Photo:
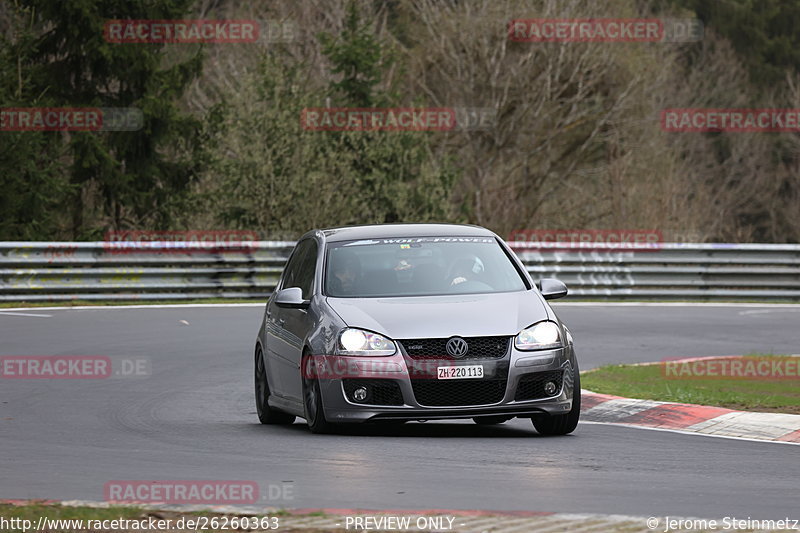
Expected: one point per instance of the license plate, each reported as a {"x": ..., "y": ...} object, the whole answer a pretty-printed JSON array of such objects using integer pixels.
[{"x": 460, "y": 372}]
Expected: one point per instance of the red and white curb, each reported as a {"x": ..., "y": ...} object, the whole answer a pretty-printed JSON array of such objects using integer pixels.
[
  {"x": 716, "y": 421},
  {"x": 689, "y": 418}
]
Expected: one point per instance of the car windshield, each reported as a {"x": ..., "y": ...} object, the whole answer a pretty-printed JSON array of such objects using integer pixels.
[{"x": 419, "y": 266}]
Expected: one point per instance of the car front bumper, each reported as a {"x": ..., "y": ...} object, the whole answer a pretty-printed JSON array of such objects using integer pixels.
[{"x": 421, "y": 400}]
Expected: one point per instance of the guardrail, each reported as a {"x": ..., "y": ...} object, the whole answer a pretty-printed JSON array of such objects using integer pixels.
[
  {"x": 674, "y": 271},
  {"x": 58, "y": 271}
]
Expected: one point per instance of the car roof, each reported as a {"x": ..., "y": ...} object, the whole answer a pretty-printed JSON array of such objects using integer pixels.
[{"x": 390, "y": 231}]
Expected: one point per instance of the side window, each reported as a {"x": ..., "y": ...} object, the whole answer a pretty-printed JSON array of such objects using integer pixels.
[
  {"x": 291, "y": 268},
  {"x": 306, "y": 268},
  {"x": 301, "y": 266}
]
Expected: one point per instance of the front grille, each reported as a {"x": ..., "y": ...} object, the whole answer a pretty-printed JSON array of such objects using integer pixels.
[
  {"x": 379, "y": 391},
  {"x": 531, "y": 386},
  {"x": 478, "y": 348},
  {"x": 434, "y": 393}
]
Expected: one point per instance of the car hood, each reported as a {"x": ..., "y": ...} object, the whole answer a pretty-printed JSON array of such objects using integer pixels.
[{"x": 469, "y": 315}]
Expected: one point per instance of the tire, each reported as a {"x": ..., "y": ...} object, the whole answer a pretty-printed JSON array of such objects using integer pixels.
[
  {"x": 312, "y": 403},
  {"x": 490, "y": 420},
  {"x": 562, "y": 424},
  {"x": 266, "y": 414}
]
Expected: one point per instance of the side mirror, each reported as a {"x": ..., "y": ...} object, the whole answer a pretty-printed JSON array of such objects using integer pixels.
[
  {"x": 291, "y": 298},
  {"x": 552, "y": 288}
]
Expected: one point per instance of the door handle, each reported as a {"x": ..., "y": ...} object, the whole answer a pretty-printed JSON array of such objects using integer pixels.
[{"x": 281, "y": 321}]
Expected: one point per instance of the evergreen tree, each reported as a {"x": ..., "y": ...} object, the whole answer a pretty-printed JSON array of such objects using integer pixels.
[
  {"x": 764, "y": 33},
  {"x": 384, "y": 165},
  {"x": 114, "y": 178},
  {"x": 32, "y": 185}
]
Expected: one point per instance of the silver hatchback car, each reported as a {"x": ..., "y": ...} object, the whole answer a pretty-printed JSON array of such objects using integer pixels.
[{"x": 413, "y": 322}]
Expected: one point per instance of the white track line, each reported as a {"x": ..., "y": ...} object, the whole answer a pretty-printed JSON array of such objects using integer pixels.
[
  {"x": 673, "y": 304},
  {"x": 24, "y": 314},
  {"x": 689, "y": 432},
  {"x": 137, "y": 306}
]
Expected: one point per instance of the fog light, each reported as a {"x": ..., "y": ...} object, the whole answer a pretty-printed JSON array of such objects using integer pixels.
[
  {"x": 550, "y": 388},
  {"x": 360, "y": 394}
]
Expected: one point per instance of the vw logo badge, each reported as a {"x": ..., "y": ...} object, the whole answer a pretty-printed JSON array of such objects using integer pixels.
[{"x": 456, "y": 347}]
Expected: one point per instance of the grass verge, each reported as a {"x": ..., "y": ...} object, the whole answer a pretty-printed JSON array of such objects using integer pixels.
[{"x": 690, "y": 384}]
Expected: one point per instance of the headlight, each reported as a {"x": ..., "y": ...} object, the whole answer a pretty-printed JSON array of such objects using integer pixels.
[
  {"x": 359, "y": 342},
  {"x": 542, "y": 336}
]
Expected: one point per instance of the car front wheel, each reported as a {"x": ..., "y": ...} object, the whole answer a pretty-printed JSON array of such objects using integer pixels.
[{"x": 312, "y": 401}]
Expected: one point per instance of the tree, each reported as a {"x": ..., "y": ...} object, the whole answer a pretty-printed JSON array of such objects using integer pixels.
[
  {"x": 763, "y": 33},
  {"x": 115, "y": 178},
  {"x": 275, "y": 176},
  {"x": 360, "y": 59},
  {"x": 31, "y": 163}
]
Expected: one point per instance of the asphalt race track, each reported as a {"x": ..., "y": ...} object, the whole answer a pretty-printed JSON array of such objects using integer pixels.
[{"x": 194, "y": 418}]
